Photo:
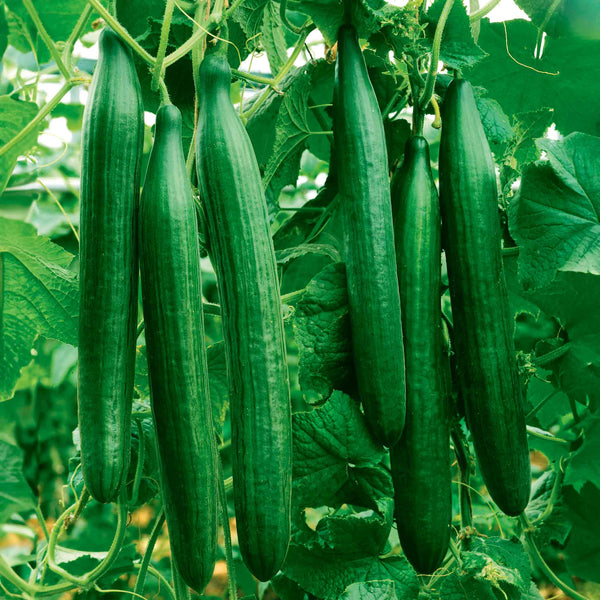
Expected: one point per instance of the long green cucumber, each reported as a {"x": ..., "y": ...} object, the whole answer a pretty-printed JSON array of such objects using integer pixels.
[
  {"x": 420, "y": 461},
  {"x": 483, "y": 327},
  {"x": 364, "y": 193},
  {"x": 113, "y": 131},
  {"x": 244, "y": 259},
  {"x": 172, "y": 301}
]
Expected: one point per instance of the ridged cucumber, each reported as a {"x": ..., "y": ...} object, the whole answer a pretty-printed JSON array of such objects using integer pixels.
[
  {"x": 242, "y": 252},
  {"x": 364, "y": 194},
  {"x": 420, "y": 461},
  {"x": 172, "y": 301},
  {"x": 113, "y": 132},
  {"x": 483, "y": 327}
]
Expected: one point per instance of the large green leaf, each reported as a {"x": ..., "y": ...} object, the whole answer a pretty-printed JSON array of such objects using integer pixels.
[
  {"x": 335, "y": 457},
  {"x": 14, "y": 116},
  {"x": 57, "y": 16},
  {"x": 322, "y": 331},
  {"x": 565, "y": 78},
  {"x": 556, "y": 217},
  {"x": 328, "y": 577},
  {"x": 38, "y": 297},
  {"x": 15, "y": 494}
]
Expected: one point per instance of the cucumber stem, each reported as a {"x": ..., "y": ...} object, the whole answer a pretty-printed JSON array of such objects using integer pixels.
[
  {"x": 35, "y": 17},
  {"x": 122, "y": 32},
  {"x": 74, "y": 36},
  {"x": 145, "y": 564},
  {"x": 279, "y": 77},
  {"x": 479, "y": 14},
  {"x": 435, "y": 55},
  {"x": 140, "y": 464},
  {"x": 553, "y": 495},
  {"x": 115, "y": 547},
  {"x": 464, "y": 465},
  {"x": 42, "y": 114},
  {"x": 162, "y": 45},
  {"x": 231, "y": 578},
  {"x": 285, "y": 21},
  {"x": 537, "y": 558}
]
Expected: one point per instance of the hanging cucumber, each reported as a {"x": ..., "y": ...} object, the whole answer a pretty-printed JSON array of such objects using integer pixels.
[
  {"x": 364, "y": 194},
  {"x": 244, "y": 259},
  {"x": 113, "y": 131},
  {"x": 420, "y": 461},
  {"x": 483, "y": 327},
  {"x": 172, "y": 300}
]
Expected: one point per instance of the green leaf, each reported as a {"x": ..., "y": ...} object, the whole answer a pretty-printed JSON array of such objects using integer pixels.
[
  {"x": 136, "y": 15},
  {"x": 261, "y": 23},
  {"x": 367, "y": 16},
  {"x": 80, "y": 562},
  {"x": 458, "y": 49},
  {"x": 578, "y": 18},
  {"x": 141, "y": 384},
  {"x": 292, "y": 128},
  {"x": 495, "y": 122},
  {"x": 528, "y": 127},
  {"x": 539, "y": 11},
  {"x": 273, "y": 38},
  {"x": 3, "y": 32},
  {"x": 335, "y": 457},
  {"x": 555, "y": 527},
  {"x": 15, "y": 493},
  {"x": 328, "y": 577},
  {"x": 149, "y": 486},
  {"x": 494, "y": 568},
  {"x": 572, "y": 298},
  {"x": 354, "y": 534},
  {"x": 556, "y": 402},
  {"x": 583, "y": 547},
  {"x": 584, "y": 466},
  {"x": 322, "y": 332},
  {"x": 14, "y": 116},
  {"x": 370, "y": 590},
  {"x": 566, "y": 18},
  {"x": 564, "y": 79},
  {"x": 57, "y": 16},
  {"x": 287, "y": 589},
  {"x": 555, "y": 219},
  {"x": 290, "y": 254},
  {"x": 38, "y": 297}
]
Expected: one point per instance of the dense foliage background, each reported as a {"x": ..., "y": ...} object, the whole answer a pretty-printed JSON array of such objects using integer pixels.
[{"x": 539, "y": 99}]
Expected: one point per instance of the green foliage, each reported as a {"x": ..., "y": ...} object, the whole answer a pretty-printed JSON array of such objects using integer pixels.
[
  {"x": 15, "y": 115},
  {"x": 39, "y": 297},
  {"x": 555, "y": 216},
  {"x": 562, "y": 79},
  {"x": 538, "y": 100}
]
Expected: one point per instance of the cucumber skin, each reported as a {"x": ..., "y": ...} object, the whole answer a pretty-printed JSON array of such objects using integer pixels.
[
  {"x": 420, "y": 461},
  {"x": 483, "y": 327},
  {"x": 244, "y": 260},
  {"x": 113, "y": 132},
  {"x": 178, "y": 371},
  {"x": 364, "y": 193}
]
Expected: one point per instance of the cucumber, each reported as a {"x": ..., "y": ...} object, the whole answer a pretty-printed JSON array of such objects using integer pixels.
[
  {"x": 172, "y": 302},
  {"x": 113, "y": 132},
  {"x": 242, "y": 252},
  {"x": 420, "y": 461},
  {"x": 364, "y": 194},
  {"x": 483, "y": 325}
]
